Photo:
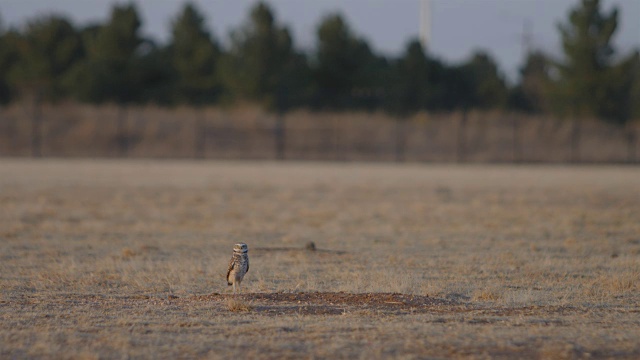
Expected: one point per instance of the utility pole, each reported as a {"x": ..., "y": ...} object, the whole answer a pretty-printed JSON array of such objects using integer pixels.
[
  {"x": 425, "y": 23},
  {"x": 527, "y": 38}
]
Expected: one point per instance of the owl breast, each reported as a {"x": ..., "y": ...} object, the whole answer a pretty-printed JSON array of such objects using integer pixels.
[{"x": 240, "y": 266}]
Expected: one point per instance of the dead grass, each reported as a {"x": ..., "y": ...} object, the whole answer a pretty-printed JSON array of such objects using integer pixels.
[
  {"x": 238, "y": 305},
  {"x": 247, "y": 132},
  {"x": 114, "y": 259}
]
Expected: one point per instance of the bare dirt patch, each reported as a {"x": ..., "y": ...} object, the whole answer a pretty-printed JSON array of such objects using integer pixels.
[{"x": 332, "y": 303}]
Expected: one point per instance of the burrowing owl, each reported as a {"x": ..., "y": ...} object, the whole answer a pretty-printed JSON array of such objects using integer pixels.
[{"x": 238, "y": 266}]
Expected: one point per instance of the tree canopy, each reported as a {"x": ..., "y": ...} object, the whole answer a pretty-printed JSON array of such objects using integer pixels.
[
  {"x": 590, "y": 82},
  {"x": 194, "y": 58},
  {"x": 113, "y": 62},
  {"x": 42, "y": 55},
  {"x": 261, "y": 60}
]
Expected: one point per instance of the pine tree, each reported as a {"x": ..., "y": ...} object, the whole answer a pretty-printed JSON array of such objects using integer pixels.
[
  {"x": 44, "y": 53},
  {"x": 635, "y": 89},
  {"x": 110, "y": 72},
  {"x": 8, "y": 57},
  {"x": 533, "y": 93},
  {"x": 412, "y": 80},
  {"x": 488, "y": 86},
  {"x": 155, "y": 74},
  {"x": 194, "y": 57},
  {"x": 340, "y": 61},
  {"x": 262, "y": 64},
  {"x": 590, "y": 83}
]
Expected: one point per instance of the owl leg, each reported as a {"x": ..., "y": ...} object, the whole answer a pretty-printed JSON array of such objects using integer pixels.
[{"x": 234, "y": 287}]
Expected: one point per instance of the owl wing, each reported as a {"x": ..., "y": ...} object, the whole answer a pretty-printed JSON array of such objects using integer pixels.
[
  {"x": 247, "y": 264},
  {"x": 231, "y": 264}
]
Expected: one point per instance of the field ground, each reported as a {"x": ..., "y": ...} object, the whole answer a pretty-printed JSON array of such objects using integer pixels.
[{"x": 126, "y": 259}]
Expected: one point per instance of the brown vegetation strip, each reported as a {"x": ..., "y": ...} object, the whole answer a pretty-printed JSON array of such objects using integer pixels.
[
  {"x": 320, "y": 303},
  {"x": 343, "y": 298},
  {"x": 337, "y": 303},
  {"x": 331, "y": 303}
]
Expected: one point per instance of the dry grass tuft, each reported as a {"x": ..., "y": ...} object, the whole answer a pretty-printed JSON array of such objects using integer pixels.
[
  {"x": 238, "y": 305},
  {"x": 614, "y": 284},
  {"x": 624, "y": 282},
  {"x": 128, "y": 253},
  {"x": 487, "y": 294}
]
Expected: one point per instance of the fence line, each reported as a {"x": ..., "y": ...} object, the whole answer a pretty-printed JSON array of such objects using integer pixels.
[{"x": 209, "y": 133}]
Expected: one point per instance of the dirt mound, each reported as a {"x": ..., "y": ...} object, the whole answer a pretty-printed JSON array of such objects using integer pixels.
[{"x": 332, "y": 303}]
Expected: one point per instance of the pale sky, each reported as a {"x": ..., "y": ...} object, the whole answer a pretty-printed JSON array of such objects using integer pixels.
[{"x": 459, "y": 27}]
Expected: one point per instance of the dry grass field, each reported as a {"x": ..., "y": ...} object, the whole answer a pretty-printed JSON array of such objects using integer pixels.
[{"x": 126, "y": 259}]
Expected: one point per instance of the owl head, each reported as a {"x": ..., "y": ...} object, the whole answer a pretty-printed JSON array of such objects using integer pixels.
[{"x": 240, "y": 248}]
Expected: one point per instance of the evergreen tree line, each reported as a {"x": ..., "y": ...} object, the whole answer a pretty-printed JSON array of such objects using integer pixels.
[{"x": 51, "y": 59}]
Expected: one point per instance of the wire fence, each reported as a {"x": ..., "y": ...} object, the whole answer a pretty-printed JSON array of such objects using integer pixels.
[{"x": 74, "y": 130}]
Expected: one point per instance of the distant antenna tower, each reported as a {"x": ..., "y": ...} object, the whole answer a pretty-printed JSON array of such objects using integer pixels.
[{"x": 425, "y": 23}]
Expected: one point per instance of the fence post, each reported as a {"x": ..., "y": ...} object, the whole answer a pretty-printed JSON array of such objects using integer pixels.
[
  {"x": 631, "y": 146},
  {"x": 123, "y": 141},
  {"x": 200, "y": 134},
  {"x": 460, "y": 151},
  {"x": 36, "y": 125},
  {"x": 338, "y": 130},
  {"x": 517, "y": 148},
  {"x": 280, "y": 136},
  {"x": 575, "y": 141},
  {"x": 400, "y": 139}
]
